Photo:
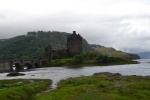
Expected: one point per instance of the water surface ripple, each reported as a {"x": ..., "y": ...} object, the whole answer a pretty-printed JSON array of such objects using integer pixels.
[{"x": 58, "y": 73}]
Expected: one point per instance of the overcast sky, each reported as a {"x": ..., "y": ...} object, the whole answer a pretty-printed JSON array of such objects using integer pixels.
[{"x": 122, "y": 24}]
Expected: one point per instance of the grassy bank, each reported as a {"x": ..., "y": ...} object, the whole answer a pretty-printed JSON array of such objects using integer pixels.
[
  {"x": 80, "y": 62},
  {"x": 22, "y": 89},
  {"x": 101, "y": 86},
  {"x": 92, "y": 58}
]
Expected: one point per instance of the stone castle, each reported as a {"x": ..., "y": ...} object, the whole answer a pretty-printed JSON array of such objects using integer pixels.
[{"x": 74, "y": 46}]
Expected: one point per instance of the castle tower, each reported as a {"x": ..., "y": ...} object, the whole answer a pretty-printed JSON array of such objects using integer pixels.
[{"x": 74, "y": 43}]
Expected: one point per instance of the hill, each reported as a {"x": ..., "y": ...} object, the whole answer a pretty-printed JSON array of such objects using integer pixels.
[
  {"x": 144, "y": 55},
  {"x": 111, "y": 52},
  {"x": 32, "y": 45}
]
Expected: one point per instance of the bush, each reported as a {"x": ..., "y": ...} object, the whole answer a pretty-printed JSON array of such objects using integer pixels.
[
  {"x": 45, "y": 62},
  {"x": 102, "y": 59},
  {"x": 90, "y": 55},
  {"x": 105, "y": 59},
  {"x": 77, "y": 59}
]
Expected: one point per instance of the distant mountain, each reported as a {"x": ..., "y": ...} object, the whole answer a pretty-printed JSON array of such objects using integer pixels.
[
  {"x": 109, "y": 51},
  {"x": 33, "y": 45},
  {"x": 144, "y": 55}
]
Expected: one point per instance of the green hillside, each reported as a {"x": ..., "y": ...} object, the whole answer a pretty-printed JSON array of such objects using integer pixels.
[
  {"x": 32, "y": 45},
  {"x": 111, "y": 52}
]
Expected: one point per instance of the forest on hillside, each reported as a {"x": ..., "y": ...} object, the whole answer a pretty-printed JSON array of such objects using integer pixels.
[{"x": 32, "y": 45}]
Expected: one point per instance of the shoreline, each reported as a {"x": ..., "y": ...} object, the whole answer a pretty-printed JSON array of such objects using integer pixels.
[
  {"x": 91, "y": 64},
  {"x": 114, "y": 85}
]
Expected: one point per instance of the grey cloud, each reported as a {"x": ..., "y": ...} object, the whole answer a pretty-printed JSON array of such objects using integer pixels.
[
  {"x": 98, "y": 29},
  {"x": 2, "y": 16}
]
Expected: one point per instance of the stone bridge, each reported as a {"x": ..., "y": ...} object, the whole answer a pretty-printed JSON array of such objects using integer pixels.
[{"x": 10, "y": 65}]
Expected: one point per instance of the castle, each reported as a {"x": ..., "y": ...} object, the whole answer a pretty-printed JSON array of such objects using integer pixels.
[{"x": 74, "y": 46}]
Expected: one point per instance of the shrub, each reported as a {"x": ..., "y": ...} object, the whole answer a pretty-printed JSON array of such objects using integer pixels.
[
  {"x": 102, "y": 59},
  {"x": 77, "y": 59}
]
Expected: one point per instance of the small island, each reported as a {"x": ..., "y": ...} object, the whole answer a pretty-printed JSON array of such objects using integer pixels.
[
  {"x": 73, "y": 55},
  {"x": 87, "y": 59}
]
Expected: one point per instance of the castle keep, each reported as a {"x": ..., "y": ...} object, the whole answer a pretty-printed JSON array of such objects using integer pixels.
[
  {"x": 74, "y": 46},
  {"x": 74, "y": 43}
]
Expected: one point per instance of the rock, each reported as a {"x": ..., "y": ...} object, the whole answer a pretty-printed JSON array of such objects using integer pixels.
[
  {"x": 109, "y": 74},
  {"x": 15, "y": 74}
]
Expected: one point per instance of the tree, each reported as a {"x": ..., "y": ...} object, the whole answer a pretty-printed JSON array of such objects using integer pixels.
[
  {"x": 102, "y": 59},
  {"x": 77, "y": 59}
]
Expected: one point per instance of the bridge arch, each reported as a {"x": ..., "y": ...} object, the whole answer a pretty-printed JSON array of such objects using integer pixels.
[
  {"x": 28, "y": 65},
  {"x": 37, "y": 65},
  {"x": 17, "y": 66}
]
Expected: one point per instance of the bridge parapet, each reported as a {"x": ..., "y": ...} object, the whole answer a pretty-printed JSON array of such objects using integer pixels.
[{"x": 19, "y": 64}]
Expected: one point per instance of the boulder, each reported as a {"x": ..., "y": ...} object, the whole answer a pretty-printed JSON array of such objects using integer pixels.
[{"x": 15, "y": 74}]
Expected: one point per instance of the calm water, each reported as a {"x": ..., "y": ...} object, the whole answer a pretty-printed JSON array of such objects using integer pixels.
[{"x": 58, "y": 73}]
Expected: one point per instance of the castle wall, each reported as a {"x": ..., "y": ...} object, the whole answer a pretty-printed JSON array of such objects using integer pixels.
[{"x": 74, "y": 45}]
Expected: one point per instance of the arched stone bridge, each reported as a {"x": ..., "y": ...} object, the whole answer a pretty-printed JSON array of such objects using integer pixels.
[{"x": 6, "y": 65}]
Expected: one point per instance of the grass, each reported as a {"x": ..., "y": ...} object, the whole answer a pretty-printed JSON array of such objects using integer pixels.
[
  {"x": 88, "y": 62},
  {"x": 115, "y": 53},
  {"x": 101, "y": 86},
  {"x": 22, "y": 89}
]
